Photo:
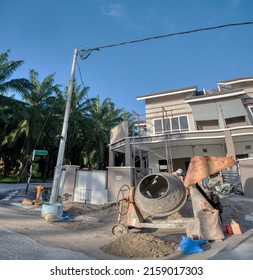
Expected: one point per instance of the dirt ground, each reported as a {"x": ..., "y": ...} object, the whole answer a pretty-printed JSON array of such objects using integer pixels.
[
  {"x": 137, "y": 244},
  {"x": 148, "y": 243},
  {"x": 87, "y": 229}
]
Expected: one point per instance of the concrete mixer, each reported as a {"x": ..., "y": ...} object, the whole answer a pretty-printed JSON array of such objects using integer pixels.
[{"x": 160, "y": 197}]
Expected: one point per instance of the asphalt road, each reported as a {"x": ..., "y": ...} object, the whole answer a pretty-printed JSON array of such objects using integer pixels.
[
  {"x": 25, "y": 235},
  {"x": 15, "y": 246},
  {"x": 5, "y": 188}
]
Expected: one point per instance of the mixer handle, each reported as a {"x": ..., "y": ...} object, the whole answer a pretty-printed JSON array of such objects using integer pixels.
[{"x": 122, "y": 201}]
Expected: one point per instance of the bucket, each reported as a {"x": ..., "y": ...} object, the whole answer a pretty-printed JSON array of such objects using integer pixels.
[{"x": 52, "y": 208}]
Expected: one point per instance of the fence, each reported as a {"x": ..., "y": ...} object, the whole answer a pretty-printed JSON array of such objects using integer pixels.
[{"x": 84, "y": 186}]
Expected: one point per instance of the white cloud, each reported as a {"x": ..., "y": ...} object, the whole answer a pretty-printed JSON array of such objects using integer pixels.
[{"x": 114, "y": 10}]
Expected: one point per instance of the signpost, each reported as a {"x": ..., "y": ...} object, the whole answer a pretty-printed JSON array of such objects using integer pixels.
[
  {"x": 39, "y": 153},
  {"x": 35, "y": 153}
]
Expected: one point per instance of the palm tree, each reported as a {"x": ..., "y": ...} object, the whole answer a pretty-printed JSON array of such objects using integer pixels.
[
  {"x": 10, "y": 113},
  {"x": 37, "y": 126},
  {"x": 39, "y": 99},
  {"x": 78, "y": 126},
  {"x": 102, "y": 116},
  {"x": 11, "y": 110},
  {"x": 7, "y": 68},
  {"x": 8, "y": 104},
  {"x": 36, "y": 120}
]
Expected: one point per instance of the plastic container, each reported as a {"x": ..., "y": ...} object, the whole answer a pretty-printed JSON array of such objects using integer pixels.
[
  {"x": 228, "y": 229},
  {"x": 52, "y": 208}
]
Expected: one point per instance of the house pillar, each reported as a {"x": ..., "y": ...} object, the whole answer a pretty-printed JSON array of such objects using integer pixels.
[
  {"x": 246, "y": 176},
  {"x": 229, "y": 144},
  {"x": 70, "y": 182},
  {"x": 221, "y": 120},
  {"x": 111, "y": 157},
  {"x": 142, "y": 166},
  {"x": 128, "y": 153}
]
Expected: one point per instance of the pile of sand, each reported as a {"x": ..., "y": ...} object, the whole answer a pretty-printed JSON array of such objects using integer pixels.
[{"x": 140, "y": 246}]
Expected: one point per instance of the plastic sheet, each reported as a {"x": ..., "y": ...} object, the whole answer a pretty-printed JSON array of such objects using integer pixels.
[
  {"x": 189, "y": 246},
  {"x": 65, "y": 218}
]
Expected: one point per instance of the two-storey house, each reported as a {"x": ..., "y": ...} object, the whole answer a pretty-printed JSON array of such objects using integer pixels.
[{"x": 185, "y": 122}]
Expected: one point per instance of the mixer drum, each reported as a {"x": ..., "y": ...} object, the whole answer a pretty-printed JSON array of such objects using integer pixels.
[{"x": 160, "y": 194}]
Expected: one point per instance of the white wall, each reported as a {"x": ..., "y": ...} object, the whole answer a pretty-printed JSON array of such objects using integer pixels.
[
  {"x": 62, "y": 182},
  {"x": 91, "y": 187},
  {"x": 183, "y": 152}
]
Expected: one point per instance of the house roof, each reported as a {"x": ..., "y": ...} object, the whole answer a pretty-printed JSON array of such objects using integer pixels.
[
  {"x": 228, "y": 84},
  {"x": 236, "y": 80},
  {"x": 216, "y": 95},
  {"x": 167, "y": 92}
]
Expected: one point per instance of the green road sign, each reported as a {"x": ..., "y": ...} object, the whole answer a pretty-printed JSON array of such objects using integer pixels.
[{"x": 40, "y": 152}]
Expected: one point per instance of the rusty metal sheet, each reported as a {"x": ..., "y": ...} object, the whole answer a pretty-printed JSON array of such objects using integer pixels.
[{"x": 201, "y": 167}]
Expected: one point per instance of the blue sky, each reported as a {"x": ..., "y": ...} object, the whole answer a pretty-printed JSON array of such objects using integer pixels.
[{"x": 45, "y": 33}]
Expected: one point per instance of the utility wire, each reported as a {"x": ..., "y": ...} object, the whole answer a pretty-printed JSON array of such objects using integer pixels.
[
  {"x": 81, "y": 77},
  {"x": 80, "y": 74},
  {"x": 86, "y": 53}
]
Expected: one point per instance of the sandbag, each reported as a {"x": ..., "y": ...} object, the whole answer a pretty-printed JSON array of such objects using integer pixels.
[{"x": 210, "y": 225}]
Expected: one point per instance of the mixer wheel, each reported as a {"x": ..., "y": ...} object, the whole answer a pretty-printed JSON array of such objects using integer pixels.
[{"x": 119, "y": 230}]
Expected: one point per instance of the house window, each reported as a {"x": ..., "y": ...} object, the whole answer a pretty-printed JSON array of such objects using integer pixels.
[
  {"x": 163, "y": 165},
  {"x": 158, "y": 127},
  {"x": 166, "y": 125},
  {"x": 207, "y": 125},
  {"x": 184, "y": 126},
  {"x": 173, "y": 124},
  {"x": 233, "y": 122}
]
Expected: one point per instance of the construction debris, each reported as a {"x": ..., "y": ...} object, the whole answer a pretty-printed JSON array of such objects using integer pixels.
[
  {"x": 26, "y": 201},
  {"x": 235, "y": 228}
]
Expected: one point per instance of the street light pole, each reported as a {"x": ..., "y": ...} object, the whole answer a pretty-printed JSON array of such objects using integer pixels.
[{"x": 63, "y": 138}]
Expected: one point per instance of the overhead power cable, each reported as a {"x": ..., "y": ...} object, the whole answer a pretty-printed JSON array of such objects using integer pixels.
[
  {"x": 81, "y": 77},
  {"x": 80, "y": 74},
  {"x": 85, "y": 53}
]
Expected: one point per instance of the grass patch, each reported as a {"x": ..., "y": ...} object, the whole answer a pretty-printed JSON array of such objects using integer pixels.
[
  {"x": 8, "y": 179},
  {"x": 11, "y": 179}
]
